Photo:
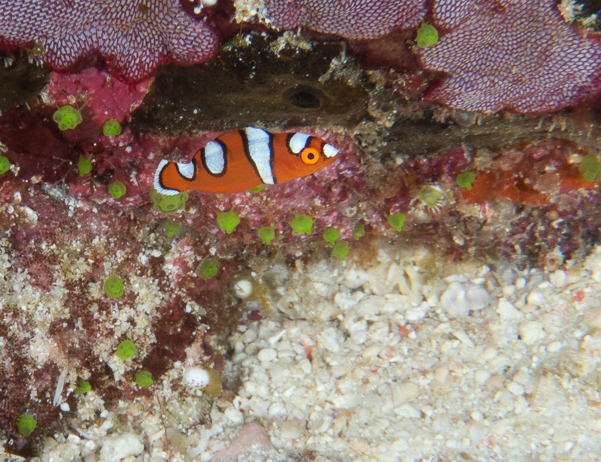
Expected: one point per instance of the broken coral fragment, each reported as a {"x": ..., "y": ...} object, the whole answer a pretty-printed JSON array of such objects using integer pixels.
[{"x": 519, "y": 56}]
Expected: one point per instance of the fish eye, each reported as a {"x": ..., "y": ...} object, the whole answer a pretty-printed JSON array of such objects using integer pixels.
[{"x": 310, "y": 156}]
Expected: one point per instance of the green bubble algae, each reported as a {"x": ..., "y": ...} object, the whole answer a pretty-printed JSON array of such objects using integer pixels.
[
  {"x": 125, "y": 350},
  {"x": 168, "y": 204},
  {"x": 208, "y": 269},
  {"x": 228, "y": 221},
  {"x": 67, "y": 117},
  {"x": 302, "y": 224}
]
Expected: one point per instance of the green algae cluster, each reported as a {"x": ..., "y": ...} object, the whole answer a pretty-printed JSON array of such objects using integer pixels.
[
  {"x": 4, "y": 164},
  {"x": 466, "y": 179},
  {"x": 113, "y": 286},
  {"x": 67, "y": 117},
  {"x": 111, "y": 127},
  {"x": 397, "y": 221},
  {"x": 257, "y": 189},
  {"x": 358, "y": 231},
  {"x": 125, "y": 350},
  {"x": 172, "y": 227},
  {"x": 82, "y": 387},
  {"x": 340, "y": 250},
  {"x": 302, "y": 224},
  {"x": 168, "y": 204},
  {"x": 427, "y": 35},
  {"x": 267, "y": 234},
  {"x": 208, "y": 269},
  {"x": 331, "y": 235},
  {"x": 84, "y": 165},
  {"x": 26, "y": 424},
  {"x": 117, "y": 189},
  {"x": 590, "y": 168},
  {"x": 144, "y": 379},
  {"x": 227, "y": 221}
]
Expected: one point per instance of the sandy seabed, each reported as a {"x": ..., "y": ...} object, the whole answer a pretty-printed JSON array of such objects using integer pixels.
[{"x": 386, "y": 362}]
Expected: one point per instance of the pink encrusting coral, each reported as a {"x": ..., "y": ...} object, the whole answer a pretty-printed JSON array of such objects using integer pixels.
[
  {"x": 514, "y": 55},
  {"x": 133, "y": 37},
  {"x": 352, "y": 19}
]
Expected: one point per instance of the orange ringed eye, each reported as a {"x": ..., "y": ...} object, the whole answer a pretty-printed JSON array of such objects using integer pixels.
[{"x": 310, "y": 156}]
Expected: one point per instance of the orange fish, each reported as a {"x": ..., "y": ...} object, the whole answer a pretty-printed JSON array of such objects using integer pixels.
[{"x": 240, "y": 160}]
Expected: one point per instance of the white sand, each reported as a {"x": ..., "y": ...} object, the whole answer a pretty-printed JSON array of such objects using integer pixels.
[{"x": 365, "y": 364}]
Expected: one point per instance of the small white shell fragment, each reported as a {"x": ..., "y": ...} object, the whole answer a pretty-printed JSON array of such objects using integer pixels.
[
  {"x": 196, "y": 377},
  {"x": 459, "y": 299},
  {"x": 482, "y": 376},
  {"x": 554, "y": 347},
  {"x": 234, "y": 415},
  {"x": 531, "y": 332},
  {"x": 328, "y": 339},
  {"x": 507, "y": 310},
  {"x": 267, "y": 354},
  {"x": 121, "y": 446},
  {"x": 489, "y": 354},
  {"x": 465, "y": 339},
  {"x": 415, "y": 314},
  {"x": 535, "y": 298},
  {"x": 477, "y": 416},
  {"x": 292, "y": 429},
  {"x": 558, "y": 278},
  {"x": 243, "y": 288},
  {"x": 515, "y": 388},
  {"x": 404, "y": 392}
]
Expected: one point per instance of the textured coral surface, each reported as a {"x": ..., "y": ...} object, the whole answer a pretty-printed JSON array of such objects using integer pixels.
[
  {"x": 354, "y": 19},
  {"x": 510, "y": 54},
  {"x": 132, "y": 37}
]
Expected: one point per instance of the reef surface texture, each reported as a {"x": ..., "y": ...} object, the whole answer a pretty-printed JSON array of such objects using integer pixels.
[
  {"x": 427, "y": 296},
  {"x": 132, "y": 37}
]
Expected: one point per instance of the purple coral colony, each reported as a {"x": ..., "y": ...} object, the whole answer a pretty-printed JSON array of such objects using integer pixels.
[{"x": 426, "y": 157}]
